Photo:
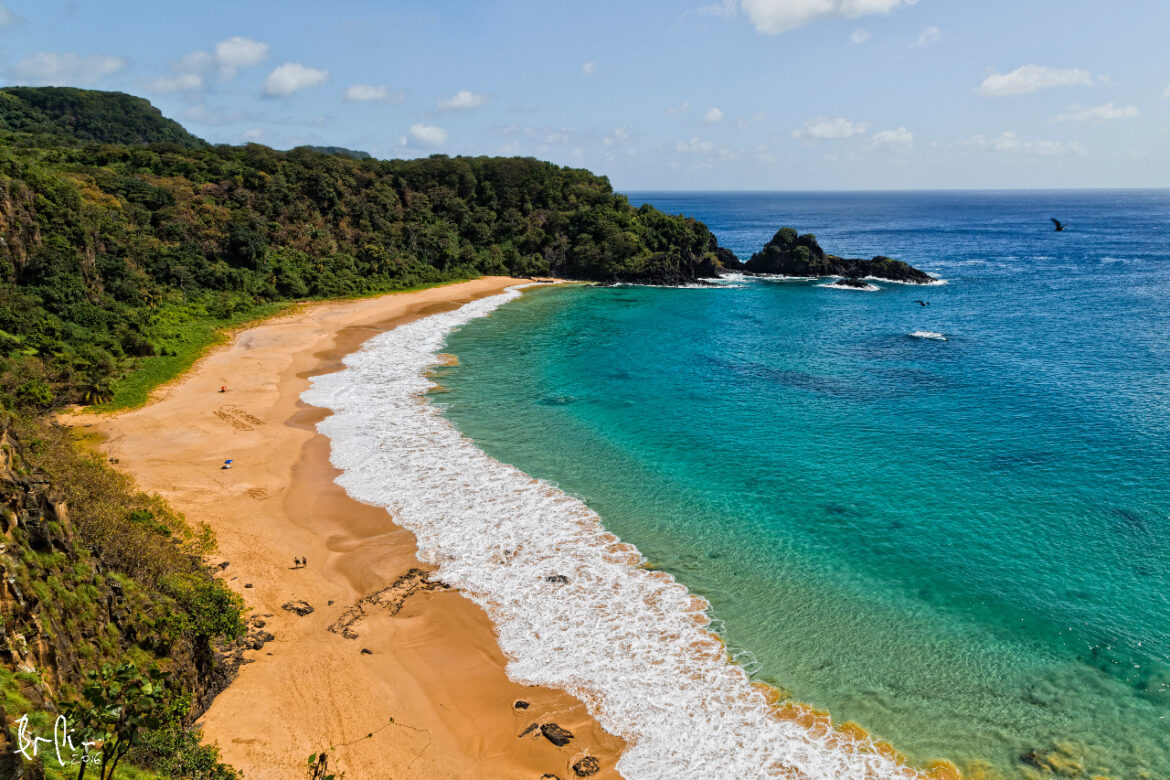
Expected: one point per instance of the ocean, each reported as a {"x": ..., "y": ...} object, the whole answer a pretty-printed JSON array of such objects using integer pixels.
[{"x": 947, "y": 523}]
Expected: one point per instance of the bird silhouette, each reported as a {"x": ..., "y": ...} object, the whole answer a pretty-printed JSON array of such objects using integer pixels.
[
  {"x": 923, "y": 303},
  {"x": 1058, "y": 223}
]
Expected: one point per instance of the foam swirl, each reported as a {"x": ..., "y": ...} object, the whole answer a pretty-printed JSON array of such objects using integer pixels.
[{"x": 633, "y": 644}]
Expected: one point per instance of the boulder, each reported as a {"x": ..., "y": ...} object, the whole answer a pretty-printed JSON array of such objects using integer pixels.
[
  {"x": 587, "y": 767},
  {"x": 555, "y": 734},
  {"x": 301, "y": 608},
  {"x": 789, "y": 254}
]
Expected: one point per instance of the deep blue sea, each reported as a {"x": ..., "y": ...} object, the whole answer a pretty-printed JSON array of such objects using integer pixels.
[{"x": 963, "y": 545}]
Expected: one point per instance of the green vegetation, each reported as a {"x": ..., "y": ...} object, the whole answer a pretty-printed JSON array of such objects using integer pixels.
[
  {"x": 119, "y": 257},
  {"x": 72, "y": 115},
  {"x": 127, "y": 248},
  {"x": 186, "y": 336},
  {"x": 119, "y": 617}
]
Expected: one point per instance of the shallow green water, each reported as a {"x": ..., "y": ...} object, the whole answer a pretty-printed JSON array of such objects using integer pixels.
[{"x": 959, "y": 544}]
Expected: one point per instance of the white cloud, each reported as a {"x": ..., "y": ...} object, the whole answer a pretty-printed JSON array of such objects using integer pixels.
[
  {"x": 1166, "y": 92},
  {"x": 764, "y": 154},
  {"x": 557, "y": 138},
  {"x": 189, "y": 73},
  {"x": 1010, "y": 142},
  {"x": 589, "y": 68},
  {"x": 928, "y": 37},
  {"x": 239, "y": 52},
  {"x": 900, "y": 140},
  {"x": 777, "y": 16},
  {"x": 428, "y": 136},
  {"x": 182, "y": 82},
  {"x": 293, "y": 77},
  {"x": 1102, "y": 113},
  {"x": 694, "y": 146},
  {"x": 7, "y": 18},
  {"x": 48, "y": 68},
  {"x": 713, "y": 114},
  {"x": 370, "y": 93},
  {"x": 463, "y": 100},
  {"x": 824, "y": 127},
  {"x": 860, "y": 36},
  {"x": 721, "y": 8},
  {"x": 1029, "y": 78},
  {"x": 682, "y": 108}
]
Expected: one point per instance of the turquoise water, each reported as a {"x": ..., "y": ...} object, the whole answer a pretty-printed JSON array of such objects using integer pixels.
[{"x": 961, "y": 545}]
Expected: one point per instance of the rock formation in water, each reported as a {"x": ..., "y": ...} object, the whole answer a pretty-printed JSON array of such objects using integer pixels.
[{"x": 789, "y": 254}]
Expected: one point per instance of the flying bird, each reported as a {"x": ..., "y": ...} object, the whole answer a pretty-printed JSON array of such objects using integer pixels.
[{"x": 1058, "y": 223}]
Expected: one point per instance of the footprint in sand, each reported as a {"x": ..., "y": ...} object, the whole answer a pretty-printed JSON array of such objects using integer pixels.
[
  {"x": 242, "y": 415},
  {"x": 232, "y": 420}
]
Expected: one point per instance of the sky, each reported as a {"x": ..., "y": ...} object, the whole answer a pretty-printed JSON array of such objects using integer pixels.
[{"x": 699, "y": 95}]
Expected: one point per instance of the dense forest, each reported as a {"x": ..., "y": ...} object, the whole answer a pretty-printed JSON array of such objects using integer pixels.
[
  {"x": 126, "y": 245},
  {"x": 118, "y": 228}
]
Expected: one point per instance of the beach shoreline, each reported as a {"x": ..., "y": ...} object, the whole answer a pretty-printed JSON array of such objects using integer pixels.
[{"x": 396, "y": 680}]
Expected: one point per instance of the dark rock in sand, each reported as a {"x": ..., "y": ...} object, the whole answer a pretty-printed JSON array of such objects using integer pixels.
[
  {"x": 248, "y": 585},
  {"x": 789, "y": 254},
  {"x": 259, "y": 639},
  {"x": 301, "y": 608},
  {"x": 556, "y": 735},
  {"x": 531, "y": 728},
  {"x": 549, "y": 776},
  {"x": 557, "y": 579},
  {"x": 587, "y": 767},
  {"x": 520, "y": 704},
  {"x": 367, "y": 652}
]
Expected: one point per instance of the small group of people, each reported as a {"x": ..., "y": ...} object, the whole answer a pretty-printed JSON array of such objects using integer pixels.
[{"x": 300, "y": 563}]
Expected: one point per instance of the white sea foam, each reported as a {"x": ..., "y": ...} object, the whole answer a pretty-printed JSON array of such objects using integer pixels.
[
  {"x": 783, "y": 278},
  {"x": 631, "y": 643},
  {"x": 866, "y": 288},
  {"x": 928, "y": 334},
  {"x": 936, "y": 282}
]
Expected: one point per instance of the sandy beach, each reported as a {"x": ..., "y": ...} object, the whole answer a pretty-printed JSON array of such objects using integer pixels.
[{"x": 399, "y": 678}]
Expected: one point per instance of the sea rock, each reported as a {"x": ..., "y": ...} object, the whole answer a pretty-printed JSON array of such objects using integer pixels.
[
  {"x": 789, "y": 254},
  {"x": 1060, "y": 762},
  {"x": 557, "y": 579},
  {"x": 849, "y": 282},
  {"x": 587, "y": 767},
  {"x": 520, "y": 704},
  {"x": 555, "y": 734},
  {"x": 728, "y": 259},
  {"x": 301, "y": 608}
]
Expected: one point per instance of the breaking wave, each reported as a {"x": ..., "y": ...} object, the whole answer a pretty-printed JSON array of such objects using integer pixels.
[{"x": 635, "y": 645}]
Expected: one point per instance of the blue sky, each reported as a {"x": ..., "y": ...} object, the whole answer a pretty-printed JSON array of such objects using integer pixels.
[{"x": 722, "y": 94}]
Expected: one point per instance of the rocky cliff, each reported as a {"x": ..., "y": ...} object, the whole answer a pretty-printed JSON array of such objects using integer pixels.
[
  {"x": 789, "y": 254},
  {"x": 63, "y": 611}
]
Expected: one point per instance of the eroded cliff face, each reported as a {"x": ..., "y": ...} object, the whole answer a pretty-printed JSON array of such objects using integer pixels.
[{"x": 62, "y": 613}]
